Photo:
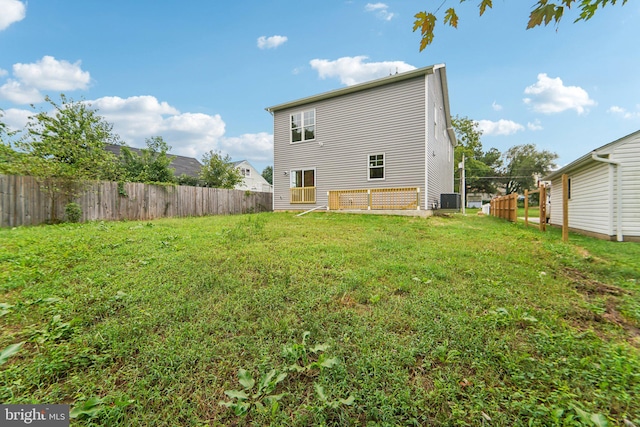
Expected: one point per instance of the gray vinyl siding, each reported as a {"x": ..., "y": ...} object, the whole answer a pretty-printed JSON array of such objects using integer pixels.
[
  {"x": 439, "y": 151},
  {"x": 387, "y": 119}
]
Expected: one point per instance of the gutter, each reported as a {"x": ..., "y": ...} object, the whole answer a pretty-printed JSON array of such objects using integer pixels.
[{"x": 618, "y": 166}]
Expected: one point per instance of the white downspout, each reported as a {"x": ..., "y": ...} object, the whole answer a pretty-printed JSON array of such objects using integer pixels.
[{"x": 594, "y": 156}]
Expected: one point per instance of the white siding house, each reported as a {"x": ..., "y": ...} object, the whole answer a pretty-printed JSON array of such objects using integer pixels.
[
  {"x": 386, "y": 134},
  {"x": 604, "y": 191},
  {"x": 252, "y": 180}
]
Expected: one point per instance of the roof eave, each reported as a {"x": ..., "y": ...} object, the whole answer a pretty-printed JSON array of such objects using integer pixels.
[
  {"x": 355, "y": 88},
  {"x": 447, "y": 109},
  {"x": 603, "y": 150}
]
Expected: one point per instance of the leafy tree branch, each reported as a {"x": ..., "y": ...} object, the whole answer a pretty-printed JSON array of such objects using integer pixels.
[{"x": 543, "y": 12}]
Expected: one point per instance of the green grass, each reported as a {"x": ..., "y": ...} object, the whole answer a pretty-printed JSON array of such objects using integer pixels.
[
  {"x": 534, "y": 212},
  {"x": 440, "y": 321}
]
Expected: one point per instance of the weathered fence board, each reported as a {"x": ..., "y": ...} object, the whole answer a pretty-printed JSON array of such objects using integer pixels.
[{"x": 25, "y": 201}]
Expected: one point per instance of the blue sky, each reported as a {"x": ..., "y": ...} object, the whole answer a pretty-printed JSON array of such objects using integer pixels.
[{"x": 200, "y": 72}]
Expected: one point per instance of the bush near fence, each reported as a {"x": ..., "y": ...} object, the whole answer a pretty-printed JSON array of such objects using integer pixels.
[{"x": 25, "y": 201}]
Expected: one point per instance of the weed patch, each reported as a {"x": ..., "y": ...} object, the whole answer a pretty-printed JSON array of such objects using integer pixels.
[{"x": 325, "y": 319}]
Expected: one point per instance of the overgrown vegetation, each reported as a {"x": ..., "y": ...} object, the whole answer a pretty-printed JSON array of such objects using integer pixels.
[{"x": 440, "y": 321}]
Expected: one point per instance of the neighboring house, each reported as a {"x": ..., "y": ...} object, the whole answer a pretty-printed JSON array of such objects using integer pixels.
[
  {"x": 383, "y": 144},
  {"x": 182, "y": 165},
  {"x": 603, "y": 191},
  {"x": 252, "y": 179}
]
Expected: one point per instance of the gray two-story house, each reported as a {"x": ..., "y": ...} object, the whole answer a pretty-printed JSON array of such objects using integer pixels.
[{"x": 386, "y": 144}]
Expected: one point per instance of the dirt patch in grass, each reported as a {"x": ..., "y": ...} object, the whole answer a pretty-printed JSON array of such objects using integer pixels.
[
  {"x": 614, "y": 316},
  {"x": 348, "y": 301},
  {"x": 420, "y": 377},
  {"x": 591, "y": 290},
  {"x": 589, "y": 287}
]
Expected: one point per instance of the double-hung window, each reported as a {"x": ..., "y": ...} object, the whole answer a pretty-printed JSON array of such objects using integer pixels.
[
  {"x": 376, "y": 166},
  {"x": 303, "y": 126},
  {"x": 245, "y": 172}
]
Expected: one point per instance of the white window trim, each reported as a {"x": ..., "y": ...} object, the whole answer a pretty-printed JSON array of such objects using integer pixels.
[
  {"x": 315, "y": 126},
  {"x": 315, "y": 176},
  {"x": 384, "y": 167}
]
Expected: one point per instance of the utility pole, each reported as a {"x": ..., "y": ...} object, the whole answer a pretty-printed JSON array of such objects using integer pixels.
[{"x": 463, "y": 185}]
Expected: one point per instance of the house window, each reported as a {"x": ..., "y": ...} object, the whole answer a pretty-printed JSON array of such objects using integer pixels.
[
  {"x": 245, "y": 172},
  {"x": 303, "y": 178},
  {"x": 303, "y": 186},
  {"x": 376, "y": 166},
  {"x": 569, "y": 188},
  {"x": 303, "y": 126}
]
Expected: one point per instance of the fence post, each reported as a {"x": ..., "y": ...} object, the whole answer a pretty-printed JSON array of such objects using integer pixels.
[
  {"x": 543, "y": 208},
  {"x": 526, "y": 207},
  {"x": 565, "y": 207}
]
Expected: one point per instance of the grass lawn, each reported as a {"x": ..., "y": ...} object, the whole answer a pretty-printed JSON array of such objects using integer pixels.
[{"x": 329, "y": 319}]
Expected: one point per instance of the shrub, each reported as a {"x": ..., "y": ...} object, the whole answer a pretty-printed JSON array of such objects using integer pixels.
[{"x": 73, "y": 212}]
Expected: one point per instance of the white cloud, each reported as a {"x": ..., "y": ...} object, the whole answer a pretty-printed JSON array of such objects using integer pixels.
[
  {"x": 51, "y": 74},
  {"x": 272, "y": 42},
  {"x": 496, "y": 106},
  {"x": 11, "y": 11},
  {"x": 550, "y": 95},
  {"x": 3, "y": 72},
  {"x": 624, "y": 113},
  {"x": 352, "y": 70},
  {"x": 501, "y": 127},
  {"x": 189, "y": 134},
  {"x": 256, "y": 147},
  {"x": 536, "y": 125},
  {"x": 381, "y": 10},
  {"x": 46, "y": 74},
  {"x": 19, "y": 93},
  {"x": 16, "y": 118}
]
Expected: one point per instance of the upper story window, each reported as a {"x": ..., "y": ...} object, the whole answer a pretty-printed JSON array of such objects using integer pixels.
[
  {"x": 245, "y": 172},
  {"x": 376, "y": 166},
  {"x": 303, "y": 126}
]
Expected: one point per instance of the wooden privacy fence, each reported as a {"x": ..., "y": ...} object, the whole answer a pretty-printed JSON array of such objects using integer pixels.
[
  {"x": 25, "y": 201},
  {"x": 375, "y": 199},
  {"x": 505, "y": 207}
]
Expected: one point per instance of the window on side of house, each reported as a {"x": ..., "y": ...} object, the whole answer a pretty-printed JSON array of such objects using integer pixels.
[
  {"x": 245, "y": 172},
  {"x": 303, "y": 178},
  {"x": 376, "y": 166},
  {"x": 303, "y": 126},
  {"x": 569, "y": 188}
]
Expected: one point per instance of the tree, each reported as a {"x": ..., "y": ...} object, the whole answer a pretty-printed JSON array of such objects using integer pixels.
[
  {"x": 64, "y": 149},
  {"x": 480, "y": 167},
  {"x": 151, "y": 165},
  {"x": 4, "y": 130},
  {"x": 543, "y": 13},
  {"x": 189, "y": 180},
  {"x": 69, "y": 143},
  {"x": 10, "y": 159},
  {"x": 267, "y": 174},
  {"x": 218, "y": 171},
  {"x": 522, "y": 163}
]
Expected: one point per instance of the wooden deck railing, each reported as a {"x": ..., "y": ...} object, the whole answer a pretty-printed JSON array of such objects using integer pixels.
[
  {"x": 303, "y": 195},
  {"x": 375, "y": 199}
]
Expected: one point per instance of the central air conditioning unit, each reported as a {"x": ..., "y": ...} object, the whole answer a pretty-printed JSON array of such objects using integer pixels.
[{"x": 450, "y": 201}]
